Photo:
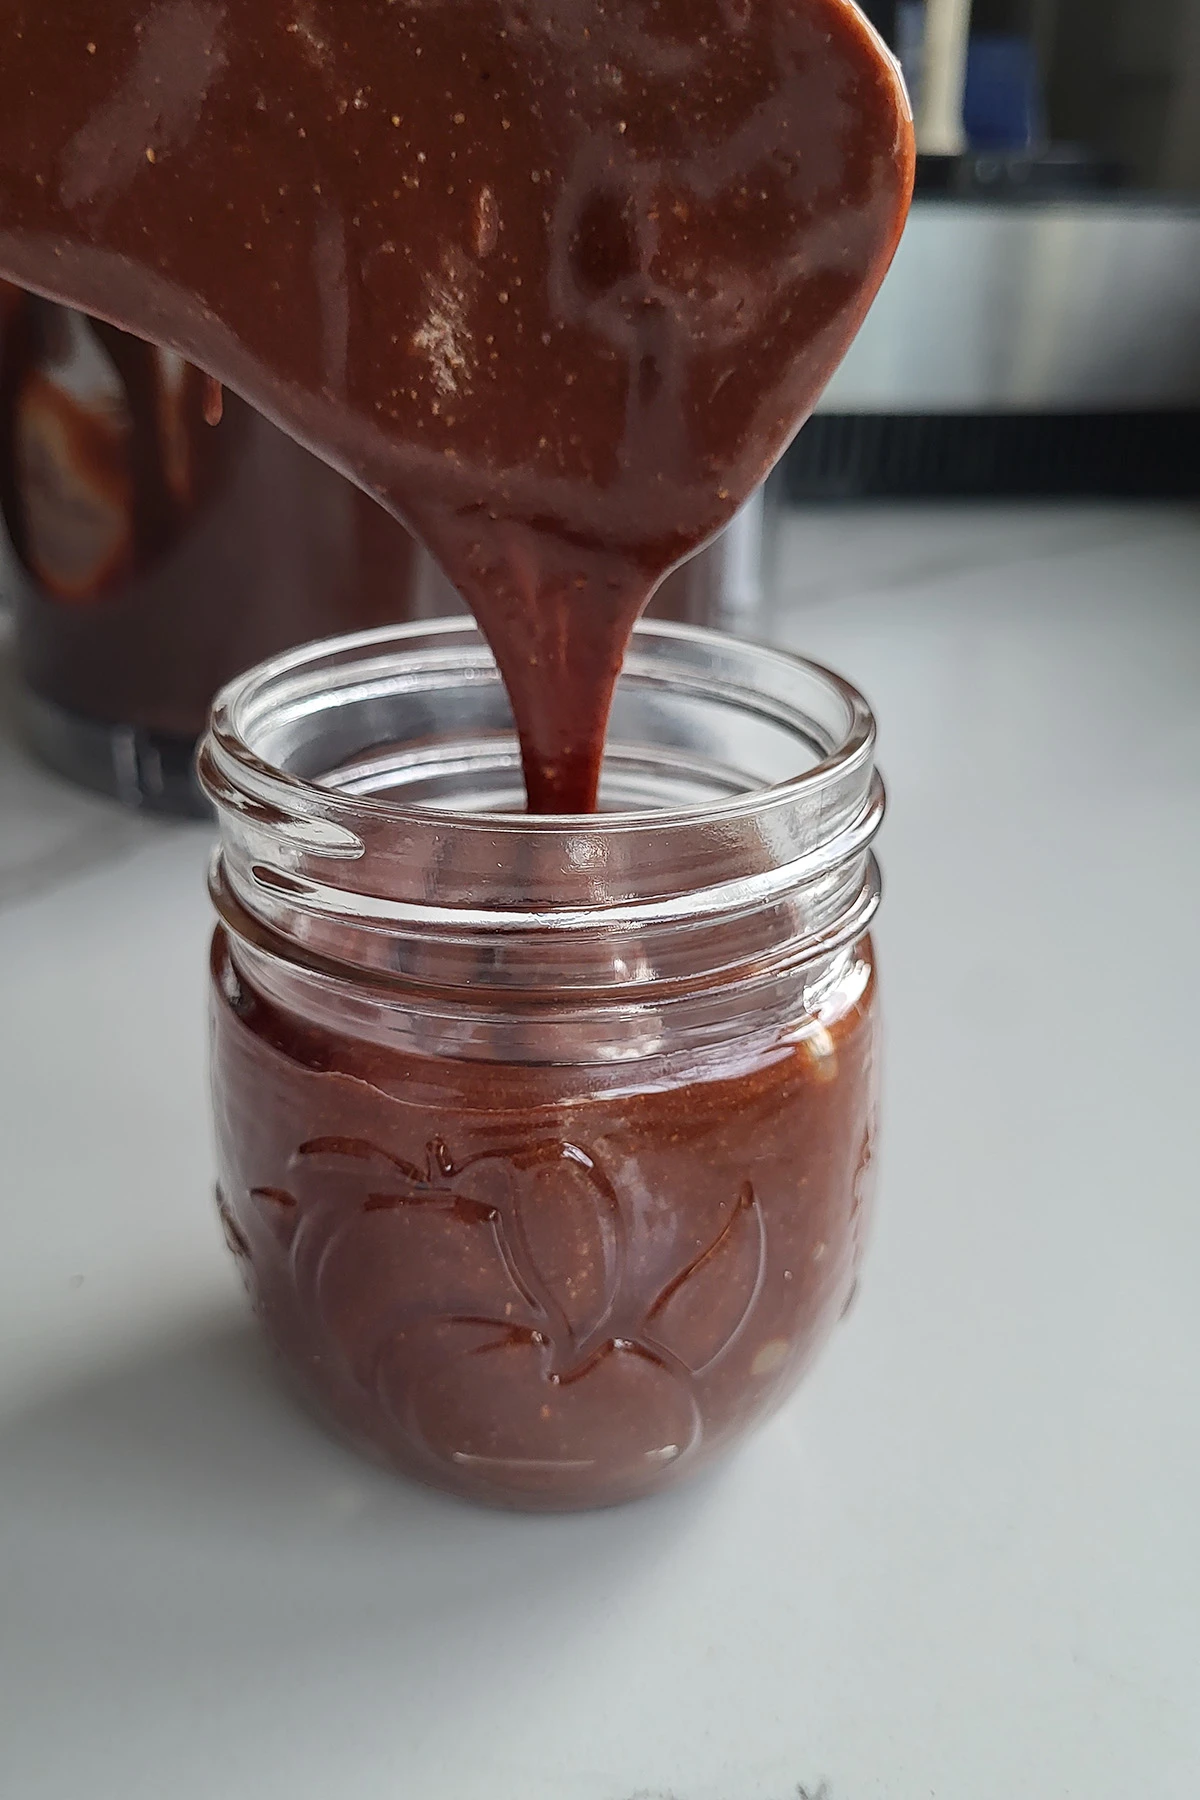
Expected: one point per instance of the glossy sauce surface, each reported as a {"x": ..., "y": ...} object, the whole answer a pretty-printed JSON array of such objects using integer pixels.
[
  {"x": 479, "y": 256},
  {"x": 536, "y": 1285}
]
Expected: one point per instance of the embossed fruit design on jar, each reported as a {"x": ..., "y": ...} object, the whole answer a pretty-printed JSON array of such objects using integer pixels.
[{"x": 544, "y": 1145}]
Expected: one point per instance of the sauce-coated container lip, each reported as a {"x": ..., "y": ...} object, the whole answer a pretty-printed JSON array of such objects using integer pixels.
[{"x": 228, "y": 741}]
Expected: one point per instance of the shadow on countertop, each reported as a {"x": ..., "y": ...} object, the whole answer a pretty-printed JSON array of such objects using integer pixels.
[{"x": 178, "y": 1513}]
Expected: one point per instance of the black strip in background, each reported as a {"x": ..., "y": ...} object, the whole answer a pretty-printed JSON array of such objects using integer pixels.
[
  {"x": 1128, "y": 455},
  {"x": 882, "y": 14}
]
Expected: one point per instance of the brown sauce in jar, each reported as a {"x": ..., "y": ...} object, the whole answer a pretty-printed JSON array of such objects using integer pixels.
[{"x": 510, "y": 1283}]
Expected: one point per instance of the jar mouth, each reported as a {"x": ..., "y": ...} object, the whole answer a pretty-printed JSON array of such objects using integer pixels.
[
  {"x": 266, "y": 725},
  {"x": 368, "y": 789}
]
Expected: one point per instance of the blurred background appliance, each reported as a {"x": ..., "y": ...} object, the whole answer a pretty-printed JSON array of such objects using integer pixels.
[{"x": 1039, "y": 333}]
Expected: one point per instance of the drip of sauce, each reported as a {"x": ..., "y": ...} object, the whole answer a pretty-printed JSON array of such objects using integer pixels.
[
  {"x": 556, "y": 284},
  {"x": 214, "y": 401}
]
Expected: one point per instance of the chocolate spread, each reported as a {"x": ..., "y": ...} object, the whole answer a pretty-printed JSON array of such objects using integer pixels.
[
  {"x": 531, "y": 1285},
  {"x": 556, "y": 282}
]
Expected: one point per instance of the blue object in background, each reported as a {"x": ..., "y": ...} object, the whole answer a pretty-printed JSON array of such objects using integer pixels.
[
  {"x": 1002, "y": 108},
  {"x": 910, "y": 44}
]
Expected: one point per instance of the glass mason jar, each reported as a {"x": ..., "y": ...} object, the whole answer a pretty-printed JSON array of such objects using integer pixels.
[
  {"x": 165, "y": 537},
  {"x": 544, "y": 1143}
]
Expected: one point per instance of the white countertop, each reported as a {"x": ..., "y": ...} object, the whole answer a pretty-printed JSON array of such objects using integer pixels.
[{"x": 963, "y": 1564}]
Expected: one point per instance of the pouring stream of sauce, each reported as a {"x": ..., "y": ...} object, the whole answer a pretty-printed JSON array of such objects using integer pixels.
[{"x": 555, "y": 280}]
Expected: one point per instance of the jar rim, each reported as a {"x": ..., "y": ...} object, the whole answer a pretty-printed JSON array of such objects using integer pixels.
[
  {"x": 229, "y": 741},
  {"x": 776, "y": 870}
]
